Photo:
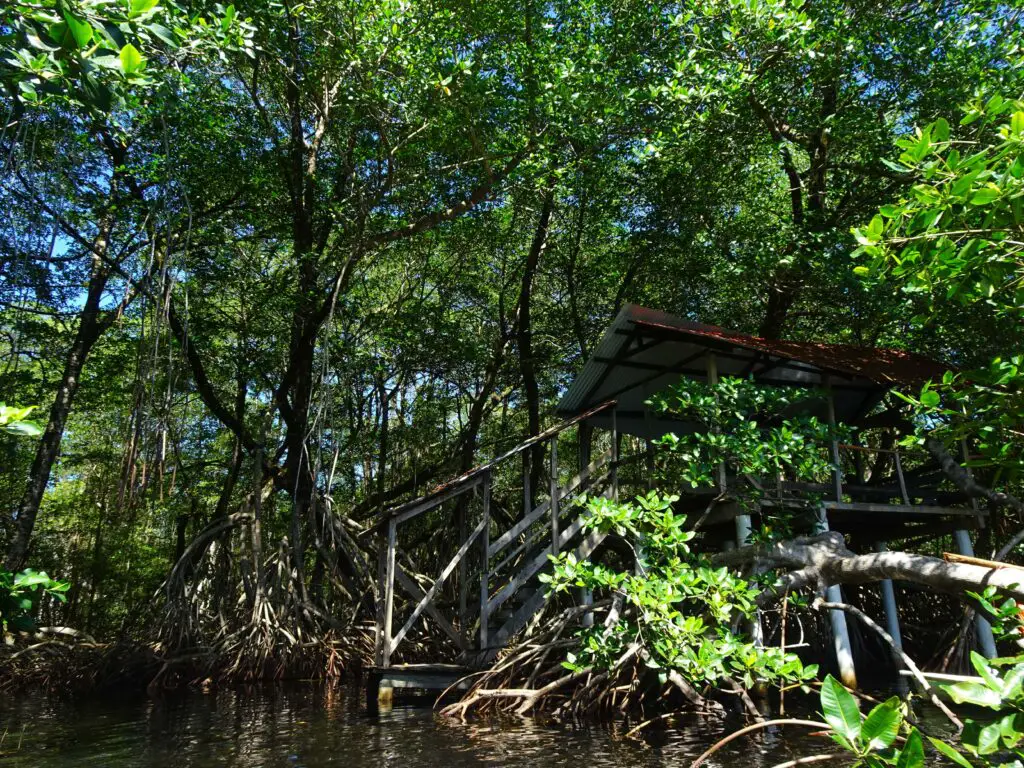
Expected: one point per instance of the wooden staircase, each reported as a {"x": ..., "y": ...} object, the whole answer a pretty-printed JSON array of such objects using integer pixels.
[{"x": 505, "y": 564}]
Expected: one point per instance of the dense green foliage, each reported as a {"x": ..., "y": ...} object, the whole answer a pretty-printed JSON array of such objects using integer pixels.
[{"x": 682, "y": 613}]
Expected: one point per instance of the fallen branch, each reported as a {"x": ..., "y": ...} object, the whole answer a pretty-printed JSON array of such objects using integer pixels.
[{"x": 822, "y": 560}]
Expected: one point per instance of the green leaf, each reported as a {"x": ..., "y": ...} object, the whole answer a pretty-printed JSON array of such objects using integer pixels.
[
  {"x": 164, "y": 34},
  {"x": 974, "y": 693},
  {"x": 840, "y": 709},
  {"x": 1010, "y": 729},
  {"x": 1017, "y": 123},
  {"x": 23, "y": 428},
  {"x": 985, "y": 195},
  {"x": 882, "y": 725},
  {"x": 988, "y": 739},
  {"x": 80, "y": 29},
  {"x": 950, "y": 752},
  {"x": 140, "y": 7},
  {"x": 982, "y": 668},
  {"x": 30, "y": 578},
  {"x": 912, "y": 754},
  {"x": 930, "y": 398},
  {"x": 131, "y": 59}
]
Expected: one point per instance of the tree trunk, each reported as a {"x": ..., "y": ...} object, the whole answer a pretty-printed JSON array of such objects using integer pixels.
[
  {"x": 91, "y": 326},
  {"x": 527, "y": 363}
]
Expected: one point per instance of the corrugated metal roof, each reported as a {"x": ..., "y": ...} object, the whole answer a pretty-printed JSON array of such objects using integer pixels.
[
  {"x": 616, "y": 367},
  {"x": 887, "y": 367}
]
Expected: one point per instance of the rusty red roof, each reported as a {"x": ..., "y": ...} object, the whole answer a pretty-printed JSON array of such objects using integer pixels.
[{"x": 887, "y": 367}]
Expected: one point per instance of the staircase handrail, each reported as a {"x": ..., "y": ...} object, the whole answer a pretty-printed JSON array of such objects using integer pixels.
[{"x": 410, "y": 509}]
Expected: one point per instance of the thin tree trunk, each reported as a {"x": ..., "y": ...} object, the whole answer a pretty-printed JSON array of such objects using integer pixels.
[
  {"x": 91, "y": 326},
  {"x": 527, "y": 363}
]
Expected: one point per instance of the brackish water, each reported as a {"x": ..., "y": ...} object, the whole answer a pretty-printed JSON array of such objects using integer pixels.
[{"x": 309, "y": 726}]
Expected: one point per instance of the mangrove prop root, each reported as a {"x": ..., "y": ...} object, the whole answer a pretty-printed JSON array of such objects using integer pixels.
[
  {"x": 810, "y": 759},
  {"x": 900, "y": 655},
  {"x": 750, "y": 729}
]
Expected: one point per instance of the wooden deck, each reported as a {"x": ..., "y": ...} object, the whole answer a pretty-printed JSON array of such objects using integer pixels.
[{"x": 382, "y": 682}]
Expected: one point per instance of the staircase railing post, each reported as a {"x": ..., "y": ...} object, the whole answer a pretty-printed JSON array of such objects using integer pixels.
[
  {"x": 463, "y": 510},
  {"x": 389, "y": 592},
  {"x": 554, "y": 494},
  {"x": 485, "y": 541},
  {"x": 382, "y": 580}
]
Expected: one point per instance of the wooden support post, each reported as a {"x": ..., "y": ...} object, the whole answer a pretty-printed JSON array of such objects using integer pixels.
[
  {"x": 837, "y": 467},
  {"x": 553, "y": 472},
  {"x": 485, "y": 574},
  {"x": 378, "y": 694},
  {"x": 744, "y": 525},
  {"x": 649, "y": 462},
  {"x": 389, "y": 591},
  {"x": 744, "y": 528},
  {"x": 965, "y": 457},
  {"x": 983, "y": 630},
  {"x": 382, "y": 580},
  {"x": 586, "y": 440},
  {"x": 712, "y": 375},
  {"x": 900, "y": 478},
  {"x": 858, "y": 460},
  {"x": 614, "y": 472},
  {"x": 840, "y": 631}
]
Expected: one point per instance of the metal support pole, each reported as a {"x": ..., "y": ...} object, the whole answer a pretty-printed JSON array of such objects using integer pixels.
[
  {"x": 892, "y": 617},
  {"x": 983, "y": 630},
  {"x": 840, "y": 631}
]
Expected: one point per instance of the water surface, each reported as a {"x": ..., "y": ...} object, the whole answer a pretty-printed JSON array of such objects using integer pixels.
[{"x": 307, "y": 726}]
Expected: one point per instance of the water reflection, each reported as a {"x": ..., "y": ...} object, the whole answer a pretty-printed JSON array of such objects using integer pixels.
[{"x": 308, "y": 727}]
